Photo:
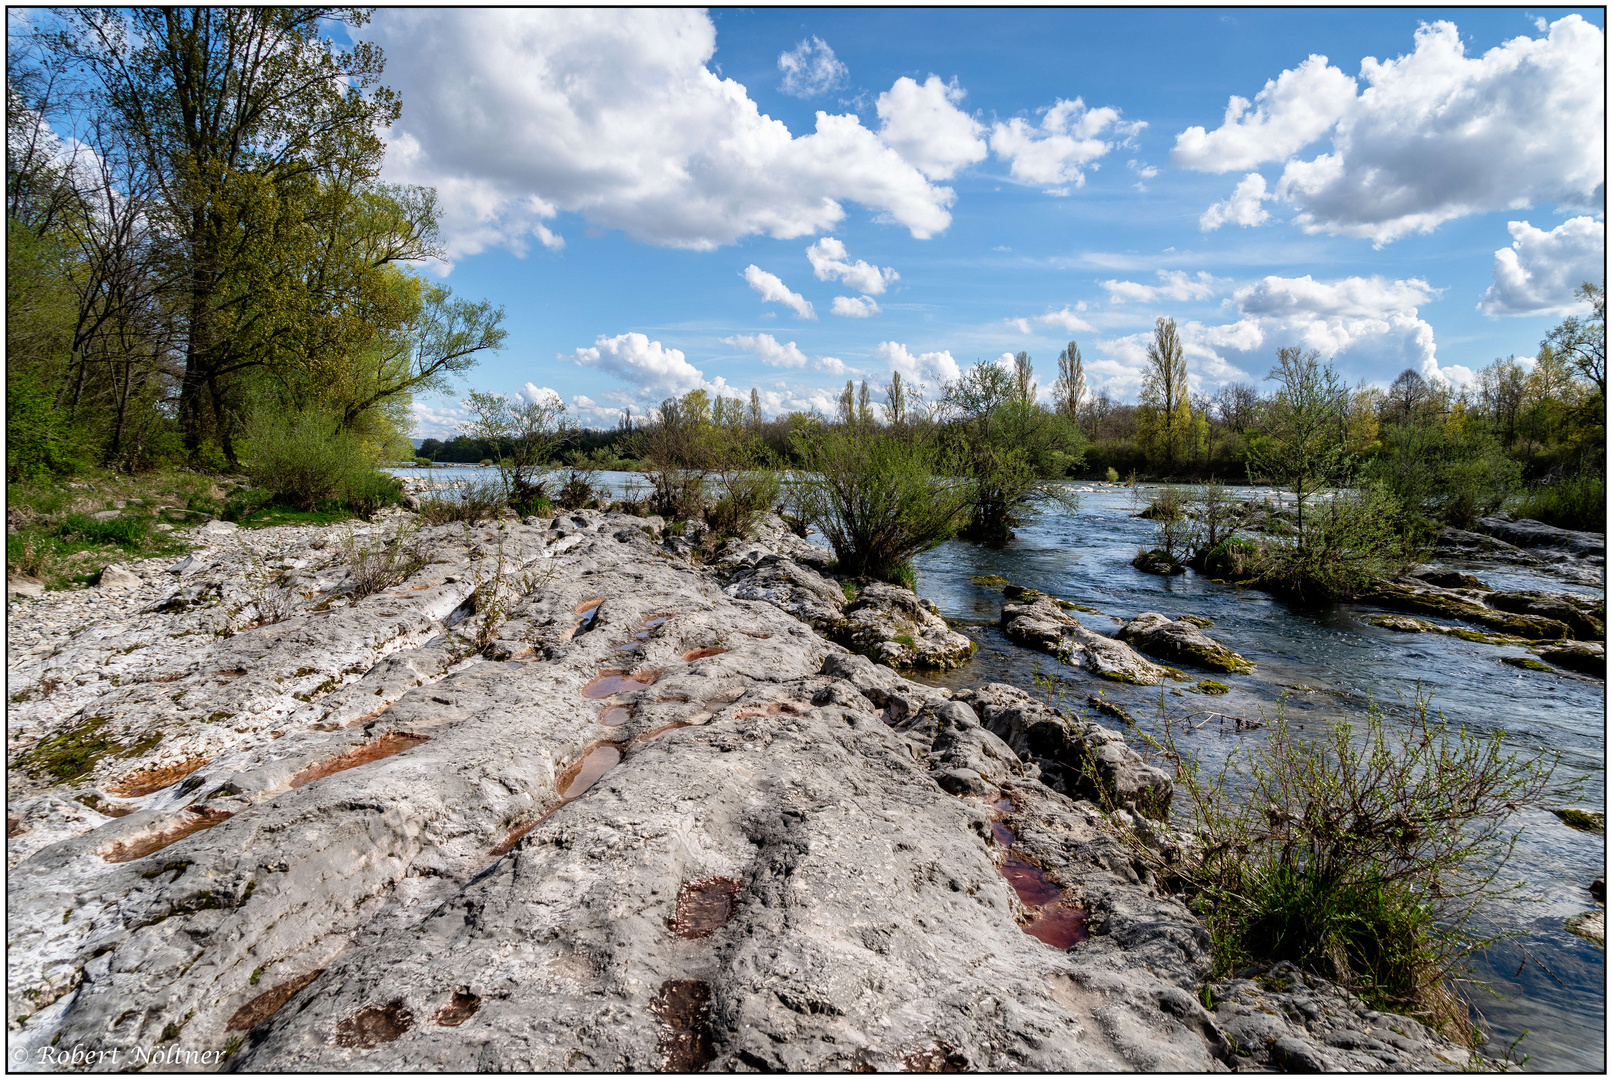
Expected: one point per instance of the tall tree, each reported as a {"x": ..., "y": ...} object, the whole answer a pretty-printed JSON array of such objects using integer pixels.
[
  {"x": 1069, "y": 390},
  {"x": 1165, "y": 417},
  {"x": 1304, "y": 445},
  {"x": 232, "y": 111},
  {"x": 1582, "y": 340}
]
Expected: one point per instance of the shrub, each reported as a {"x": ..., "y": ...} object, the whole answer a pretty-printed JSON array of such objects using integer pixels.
[
  {"x": 367, "y": 492},
  {"x": 904, "y": 575},
  {"x": 878, "y": 499},
  {"x": 746, "y": 494},
  {"x": 388, "y": 562},
  {"x": 1361, "y": 856},
  {"x": 470, "y": 502},
  {"x": 1575, "y": 502},
  {"x": 1350, "y": 542},
  {"x": 302, "y": 458},
  {"x": 424, "y": 463},
  {"x": 1113, "y": 475}
]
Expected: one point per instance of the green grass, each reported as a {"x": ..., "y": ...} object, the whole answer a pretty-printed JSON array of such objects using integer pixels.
[
  {"x": 1577, "y": 502},
  {"x": 69, "y": 754}
]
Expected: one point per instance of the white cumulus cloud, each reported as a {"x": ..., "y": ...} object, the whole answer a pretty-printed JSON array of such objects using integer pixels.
[
  {"x": 930, "y": 369},
  {"x": 1066, "y": 320},
  {"x": 649, "y": 367},
  {"x": 1537, "y": 274},
  {"x": 1292, "y": 111},
  {"x": 515, "y": 115},
  {"x": 852, "y": 307},
  {"x": 830, "y": 261},
  {"x": 811, "y": 68},
  {"x": 1435, "y": 135},
  {"x": 1069, "y": 138},
  {"x": 768, "y": 350},
  {"x": 924, "y": 124},
  {"x": 772, "y": 289},
  {"x": 1243, "y": 208},
  {"x": 1174, "y": 285}
]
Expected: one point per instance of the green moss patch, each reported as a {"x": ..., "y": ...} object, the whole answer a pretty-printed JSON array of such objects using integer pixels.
[
  {"x": 1209, "y": 686},
  {"x": 989, "y": 581},
  {"x": 1591, "y": 821},
  {"x": 69, "y": 754},
  {"x": 1526, "y": 662}
]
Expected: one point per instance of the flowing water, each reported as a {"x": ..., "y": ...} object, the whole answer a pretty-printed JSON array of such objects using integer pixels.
[{"x": 1327, "y": 664}]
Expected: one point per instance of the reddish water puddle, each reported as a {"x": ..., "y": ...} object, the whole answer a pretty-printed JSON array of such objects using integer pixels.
[
  {"x": 369, "y": 1028},
  {"x": 684, "y": 1007},
  {"x": 615, "y": 716},
  {"x": 581, "y": 776},
  {"x": 1003, "y": 834},
  {"x": 1003, "y": 802},
  {"x": 704, "y": 906},
  {"x": 138, "y": 848},
  {"x": 1030, "y": 882},
  {"x": 461, "y": 1008},
  {"x": 383, "y": 747},
  {"x": 590, "y": 606},
  {"x": 1059, "y": 926},
  {"x": 655, "y": 733},
  {"x": 146, "y": 781},
  {"x": 263, "y": 1006},
  {"x": 701, "y": 654},
  {"x": 618, "y": 682}
]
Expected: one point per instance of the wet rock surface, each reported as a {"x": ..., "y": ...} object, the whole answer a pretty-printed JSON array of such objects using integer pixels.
[
  {"x": 376, "y": 847},
  {"x": 1584, "y": 566},
  {"x": 1036, "y": 622},
  {"x": 1181, "y": 641}
]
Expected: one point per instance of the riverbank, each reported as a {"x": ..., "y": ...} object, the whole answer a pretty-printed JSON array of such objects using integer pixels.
[{"x": 550, "y": 772}]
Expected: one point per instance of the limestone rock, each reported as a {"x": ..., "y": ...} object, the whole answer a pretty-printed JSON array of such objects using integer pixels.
[
  {"x": 1410, "y": 594},
  {"x": 1281, "y": 1018},
  {"x": 1585, "y": 616},
  {"x": 891, "y": 624},
  {"x": 1081, "y": 760},
  {"x": 1589, "y": 925},
  {"x": 18, "y": 586},
  {"x": 797, "y": 589},
  {"x": 1181, "y": 642},
  {"x": 1536, "y": 534},
  {"x": 1040, "y": 624},
  {"x": 120, "y": 577}
]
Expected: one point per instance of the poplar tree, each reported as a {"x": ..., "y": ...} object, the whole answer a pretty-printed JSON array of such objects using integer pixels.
[
  {"x": 1069, "y": 390},
  {"x": 1164, "y": 420}
]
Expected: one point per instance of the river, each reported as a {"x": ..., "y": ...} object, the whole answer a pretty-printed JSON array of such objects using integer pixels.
[{"x": 1328, "y": 664}]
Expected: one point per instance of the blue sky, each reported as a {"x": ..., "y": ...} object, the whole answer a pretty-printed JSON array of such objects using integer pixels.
[{"x": 784, "y": 199}]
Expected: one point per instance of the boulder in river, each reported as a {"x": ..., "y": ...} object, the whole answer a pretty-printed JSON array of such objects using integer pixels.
[
  {"x": 1527, "y": 533},
  {"x": 1181, "y": 642},
  {"x": 891, "y": 624},
  {"x": 1411, "y": 594},
  {"x": 1041, "y": 624},
  {"x": 1584, "y": 657},
  {"x": 1584, "y": 615}
]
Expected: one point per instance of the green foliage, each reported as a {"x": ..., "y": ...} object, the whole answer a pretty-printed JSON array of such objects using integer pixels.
[
  {"x": 528, "y": 433},
  {"x": 387, "y": 561},
  {"x": 1450, "y": 469},
  {"x": 1303, "y": 446},
  {"x": 305, "y": 460},
  {"x": 904, "y": 575},
  {"x": 878, "y": 498},
  {"x": 1574, "y": 502},
  {"x": 470, "y": 502},
  {"x": 68, "y": 754},
  {"x": 1164, "y": 418},
  {"x": 126, "y": 532},
  {"x": 1011, "y": 450},
  {"x": 1350, "y": 541},
  {"x": 1112, "y": 475},
  {"x": 1362, "y": 855}
]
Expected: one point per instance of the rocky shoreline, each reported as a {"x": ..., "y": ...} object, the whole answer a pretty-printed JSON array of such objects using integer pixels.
[{"x": 556, "y": 797}]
